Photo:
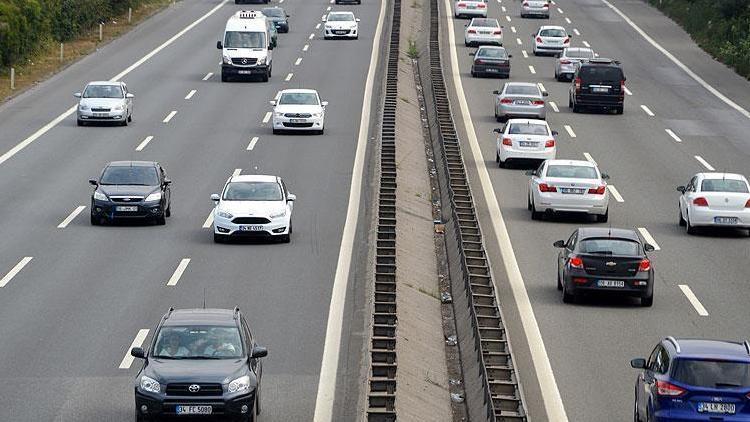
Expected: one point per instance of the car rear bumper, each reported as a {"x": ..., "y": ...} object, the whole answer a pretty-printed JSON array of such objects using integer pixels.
[
  {"x": 558, "y": 202},
  {"x": 534, "y": 11},
  {"x": 511, "y": 110},
  {"x": 477, "y": 39},
  {"x": 507, "y": 153},
  {"x": 166, "y": 405},
  {"x": 640, "y": 286},
  {"x": 545, "y": 48},
  {"x": 109, "y": 210},
  {"x": 599, "y": 100},
  {"x": 471, "y": 12},
  {"x": 702, "y": 216}
]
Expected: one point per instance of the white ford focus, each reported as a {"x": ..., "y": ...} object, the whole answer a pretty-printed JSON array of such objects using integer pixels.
[
  {"x": 715, "y": 199},
  {"x": 253, "y": 206},
  {"x": 568, "y": 186},
  {"x": 298, "y": 109}
]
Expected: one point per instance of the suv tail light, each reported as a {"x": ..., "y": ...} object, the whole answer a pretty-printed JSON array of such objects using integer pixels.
[
  {"x": 567, "y": 40},
  {"x": 701, "y": 202},
  {"x": 597, "y": 191},
  {"x": 508, "y": 142},
  {"x": 472, "y": 31},
  {"x": 543, "y": 187},
  {"x": 664, "y": 388},
  {"x": 578, "y": 85},
  {"x": 575, "y": 262},
  {"x": 506, "y": 101},
  {"x": 645, "y": 265},
  {"x": 538, "y": 39},
  {"x": 564, "y": 61},
  {"x": 550, "y": 143}
]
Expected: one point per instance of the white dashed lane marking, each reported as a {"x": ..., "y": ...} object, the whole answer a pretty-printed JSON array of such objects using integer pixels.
[
  {"x": 513, "y": 29},
  {"x": 575, "y": 31},
  {"x": 267, "y": 117},
  {"x": 311, "y": 36},
  {"x": 532, "y": 70},
  {"x": 208, "y": 76},
  {"x": 704, "y": 163},
  {"x": 585, "y": 43},
  {"x": 525, "y": 54},
  {"x": 209, "y": 220},
  {"x": 317, "y": 26},
  {"x": 507, "y": 18},
  {"x": 236, "y": 172},
  {"x": 615, "y": 193},
  {"x": 137, "y": 342},
  {"x": 560, "y": 10},
  {"x": 647, "y": 110},
  {"x": 299, "y": 60},
  {"x": 190, "y": 94},
  {"x": 648, "y": 238},
  {"x": 289, "y": 77},
  {"x": 697, "y": 305},
  {"x": 503, "y": 9},
  {"x": 567, "y": 19},
  {"x": 589, "y": 158},
  {"x": 15, "y": 270},
  {"x": 518, "y": 40},
  {"x": 169, "y": 116},
  {"x": 554, "y": 106},
  {"x": 570, "y": 131},
  {"x": 306, "y": 47},
  {"x": 627, "y": 91},
  {"x": 178, "y": 272},
  {"x": 252, "y": 143},
  {"x": 71, "y": 217},
  {"x": 673, "y": 135},
  {"x": 144, "y": 143}
]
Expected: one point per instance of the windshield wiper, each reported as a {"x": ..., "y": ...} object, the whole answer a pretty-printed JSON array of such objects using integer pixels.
[
  {"x": 727, "y": 384},
  {"x": 602, "y": 252}
]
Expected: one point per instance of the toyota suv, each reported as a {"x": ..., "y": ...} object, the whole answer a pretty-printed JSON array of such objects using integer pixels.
[
  {"x": 598, "y": 83},
  {"x": 201, "y": 363}
]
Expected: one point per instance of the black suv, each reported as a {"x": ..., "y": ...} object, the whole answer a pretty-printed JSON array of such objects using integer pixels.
[
  {"x": 201, "y": 362},
  {"x": 598, "y": 83}
]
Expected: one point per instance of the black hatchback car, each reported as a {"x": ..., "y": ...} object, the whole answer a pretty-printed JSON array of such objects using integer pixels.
[
  {"x": 598, "y": 83},
  {"x": 201, "y": 363},
  {"x": 278, "y": 16},
  {"x": 131, "y": 190},
  {"x": 599, "y": 259}
]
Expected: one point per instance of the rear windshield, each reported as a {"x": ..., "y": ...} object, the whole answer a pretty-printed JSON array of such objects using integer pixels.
[
  {"x": 579, "y": 53},
  {"x": 126, "y": 175},
  {"x": 578, "y": 172},
  {"x": 237, "y": 39},
  {"x": 527, "y": 129},
  {"x": 609, "y": 246},
  {"x": 724, "y": 185},
  {"x": 521, "y": 90},
  {"x": 712, "y": 373},
  {"x": 493, "y": 53},
  {"x": 485, "y": 22},
  {"x": 553, "y": 33},
  {"x": 598, "y": 74}
]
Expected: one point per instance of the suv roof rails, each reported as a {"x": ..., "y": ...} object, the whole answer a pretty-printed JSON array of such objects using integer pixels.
[{"x": 674, "y": 342}]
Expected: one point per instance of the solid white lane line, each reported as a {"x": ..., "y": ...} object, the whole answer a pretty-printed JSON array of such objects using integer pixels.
[
  {"x": 236, "y": 172},
  {"x": 144, "y": 143},
  {"x": 586, "y": 44},
  {"x": 317, "y": 26},
  {"x": 169, "y": 116},
  {"x": 332, "y": 346},
  {"x": 679, "y": 64},
  {"x": 518, "y": 40},
  {"x": 567, "y": 19},
  {"x": 71, "y": 217},
  {"x": 532, "y": 70},
  {"x": 648, "y": 238},
  {"x": 311, "y": 36},
  {"x": 299, "y": 60},
  {"x": 209, "y": 220},
  {"x": 178, "y": 272},
  {"x": 307, "y": 46},
  {"x": 513, "y": 29},
  {"x": 697, "y": 305},
  {"x": 570, "y": 131},
  {"x": 15, "y": 270},
  {"x": 541, "y": 87},
  {"x": 615, "y": 193},
  {"x": 267, "y": 117},
  {"x": 647, "y": 110},
  {"x": 549, "y": 393},
  {"x": 252, "y": 143},
  {"x": 525, "y": 54},
  {"x": 507, "y": 18},
  {"x": 673, "y": 135},
  {"x": 190, "y": 94},
  {"x": 627, "y": 91},
  {"x": 560, "y": 10},
  {"x": 705, "y": 163},
  {"x": 137, "y": 342},
  {"x": 208, "y": 76},
  {"x": 575, "y": 31},
  {"x": 554, "y": 106},
  {"x": 289, "y": 77},
  {"x": 589, "y": 158}
]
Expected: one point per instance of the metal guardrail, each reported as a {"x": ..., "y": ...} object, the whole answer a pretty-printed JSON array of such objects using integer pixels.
[{"x": 381, "y": 398}]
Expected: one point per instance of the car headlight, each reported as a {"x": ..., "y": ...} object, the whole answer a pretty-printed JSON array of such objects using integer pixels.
[
  {"x": 100, "y": 196},
  {"x": 227, "y": 59},
  {"x": 149, "y": 384},
  {"x": 224, "y": 214},
  {"x": 278, "y": 214},
  {"x": 83, "y": 107},
  {"x": 317, "y": 114},
  {"x": 329, "y": 27},
  {"x": 156, "y": 196},
  {"x": 240, "y": 384},
  {"x": 278, "y": 114},
  {"x": 261, "y": 60},
  {"x": 118, "y": 108}
]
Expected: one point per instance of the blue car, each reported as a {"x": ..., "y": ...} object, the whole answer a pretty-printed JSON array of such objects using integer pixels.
[{"x": 693, "y": 380}]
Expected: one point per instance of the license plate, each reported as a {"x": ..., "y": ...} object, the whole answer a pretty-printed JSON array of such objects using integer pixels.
[
  {"x": 610, "y": 283},
  {"x": 100, "y": 114},
  {"x": 522, "y": 102},
  {"x": 572, "y": 190},
  {"x": 251, "y": 228},
  {"x": 600, "y": 89},
  {"x": 471, "y": 7},
  {"x": 491, "y": 70},
  {"x": 527, "y": 144},
  {"x": 725, "y": 220},
  {"x": 716, "y": 407},
  {"x": 485, "y": 32},
  {"x": 244, "y": 72},
  {"x": 193, "y": 410},
  {"x": 127, "y": 208},
  {"x": 298, "y": 120}
]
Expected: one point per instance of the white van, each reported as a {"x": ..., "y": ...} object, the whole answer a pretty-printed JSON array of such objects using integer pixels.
[{"x": 246, "y": 49}]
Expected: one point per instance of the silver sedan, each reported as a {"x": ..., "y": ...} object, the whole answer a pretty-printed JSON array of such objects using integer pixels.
[
  {"x": 104, "y": 101},
  {"x": 568, "y": 59},
  {"x": 520, "y": 99},
  {"x": 535, "y": 8}
]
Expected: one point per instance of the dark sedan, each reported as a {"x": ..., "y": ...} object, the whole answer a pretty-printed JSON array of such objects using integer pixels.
[
  {"x": 131, "y": 190},
  {"x": 491, "y": 61},
  {"x": 278, "y": 16},
  {"x": 607, "y": 260}
]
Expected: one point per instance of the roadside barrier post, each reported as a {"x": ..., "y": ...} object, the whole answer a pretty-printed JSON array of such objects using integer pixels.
[
  {"x": 62, "y": 57},
  {"x": 101, "y": 29},
  {"x": 130, "y": 14},
  {"x": 12, "y": 78}
]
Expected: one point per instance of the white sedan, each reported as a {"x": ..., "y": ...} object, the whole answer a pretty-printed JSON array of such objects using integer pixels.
[
  {"x": 715, "y": 199},
  {"x": 298, "y": 109},
  {"x": 550, "y": 39},
  {"x": 528, "y": 139},
  {"x": 568, "y": 186},
  {"x": 470, "y": 8},
  {"x": 483, "y": 31},
  {"x": 340, "y": 25},
  {"x": 253, "y": 206}
]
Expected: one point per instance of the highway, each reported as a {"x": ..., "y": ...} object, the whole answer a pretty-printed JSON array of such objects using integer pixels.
[
  {"x": 672, "y": 128},
  {"x": 76, "y": 297}
]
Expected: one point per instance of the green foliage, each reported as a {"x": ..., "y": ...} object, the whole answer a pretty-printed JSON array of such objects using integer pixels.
[{"x": 721, "y": 27}]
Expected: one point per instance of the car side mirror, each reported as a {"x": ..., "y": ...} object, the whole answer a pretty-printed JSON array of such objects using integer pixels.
[
  {"x": 324, "y": 103},
  {"x": 138, "y": 352},
  {"x": 77, "y": 95},
  {"x": 270, "y": 46},
  {"x": 531, "y": 172},
  {"x": 648, "y": 247},
  {"x": 473, "y": 53},
  {"x": 559, "y": 244},
  {"x": 215, "y": 197},
  {"x": 323, "y": 19},
  {"x": 624, "y": 79},
  {"x": 497, "y": 130},
  {"x": 510, "y": 56},
  {"x": 555, "y": 133},
  {"x": 605, "y": 176},
  {"x": 259, "y": 352},
  {"x": 218, "y": 45},
  {"x": 681, "y": 189},
  {"x": 291, "y": 197},
  {"x": 167, "y": 182},
  {"x": 545, "y": 94},
  {"x": 357, "y": 19},
  {"x": 93, "y": 182},
  {"x": 129, "y": 95},
  {"x": 496, "y": 92},
  {"x": 638, "y": 363},
  {"x": 287, "y": 16},
  {"x": 272, "y": 102}
]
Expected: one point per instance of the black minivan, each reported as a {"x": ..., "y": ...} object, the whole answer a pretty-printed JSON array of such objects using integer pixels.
[{"x": 598, "y": 83}]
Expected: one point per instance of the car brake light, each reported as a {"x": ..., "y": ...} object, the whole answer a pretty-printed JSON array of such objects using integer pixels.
[
  {"x": 567, "y": 40},
  {"x": 538, "y": 39},
  {"x": 506, "y": 101},
  {"x": 575, "y": 262},
  {"x": 747, "y": 204},
  {"x": 564, "y": 61},
  {"x": 538, "y": 102},
  {"x": 597, "y": 191},
  {"x": 498, "y": 32},
  {"x": 543, "y": 187},
  {"x": 507, "y": 141},
  {"x": 664, "y": 388},
  {"x": 550, "y": 143},
  {"x": 461, "y": 4},
  {"x": 578, "y": 84},
  {"x": 700, "y": 202},
  {"x": 481, "y": 5},
  {"x": 645, "y": 265},
  {"x": 525, "y": 4},
  {"x": 545, "y": 6},
  {"x": 622, "y": 90},
  {"x": 472, "y": 31}
]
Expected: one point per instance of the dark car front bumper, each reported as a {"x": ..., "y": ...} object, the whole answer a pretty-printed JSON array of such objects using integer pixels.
[
  {"x": 282, "y": 27},
  {"x": 638, "y": 286},
  {"x": 163, "y": 405},
  {"x": 230, "y": 70},
  {"x": 110, "y": 211}
]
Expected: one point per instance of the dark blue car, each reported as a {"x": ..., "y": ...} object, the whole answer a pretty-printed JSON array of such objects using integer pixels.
[{"x": 694, "y": 380}]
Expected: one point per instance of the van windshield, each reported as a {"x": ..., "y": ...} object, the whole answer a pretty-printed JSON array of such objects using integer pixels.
[{"x": 237, "y": 39}]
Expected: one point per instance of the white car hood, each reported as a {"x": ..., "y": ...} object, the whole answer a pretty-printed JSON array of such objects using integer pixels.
[
  {"x": 341, "y": 25},
  {"x": 102, "y": 102},
  {"x": 298, "y": 108},
  {"x": 245, "y": 52},
  {"x": 251, "y": 208}
]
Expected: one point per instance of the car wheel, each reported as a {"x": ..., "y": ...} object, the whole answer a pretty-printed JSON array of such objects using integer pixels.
[
  {"x": 502, "y": 164},
  {"x": 535, "y": 215},
  {"x": 95, "y": 221},
  {"x": 689, "y": 227},
  {"x": 265, "y": 76},
  {"x": 619, "y": 110},
  {"x": 636, "y": 416},
  {"x": 576, "y": 108},
  {"x": 275, "y": 131},
  {"x": 681, "y": 220},
  {"x": 559, "y": 281},
  {"x": 124, "y": 122},
  {"x": 647, "y": 301},
  {"x": 160, "y": 221},
  {"x": 567, "y": 297},
  {"x": 140, "y": 418},
  {"x": 570, "y": 101},
  {"x": 497, "y": 157},
  {"x": 168, "y": 212},
  {"x": 602, "y": 218},
  {"x": 473, "y": 74},
  {"x": 130, "y": 118},
  {"x": 224, "y": 77}
]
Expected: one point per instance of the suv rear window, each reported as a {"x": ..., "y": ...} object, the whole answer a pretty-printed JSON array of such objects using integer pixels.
[
  {"x": 599, "y": 74},
  {"x": 712, "y": 373}
]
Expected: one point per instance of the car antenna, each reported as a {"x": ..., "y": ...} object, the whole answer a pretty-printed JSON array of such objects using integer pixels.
[
  {"x": 204, "y": 298},
  {"x": 609, "y": 232}
]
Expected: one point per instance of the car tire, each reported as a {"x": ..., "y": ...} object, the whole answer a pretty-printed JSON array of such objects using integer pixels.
[
  {"x": 559, "y": 281},
  {"x": 689, "y": 228},
  {"x": 141, "y": 418},
  {"x": 567, "y": 297},
  {"x": 168, "y": 212},
  {"x": 570, "y": 101},
  {"x": 466, "y": 43},
  {"x": 636, "y": 416},
  {"x": 473, "y": 74},
  {"x": 681, "y": 221},
  {"x": 619, "y": 110},
  {"x": 502, "y": 164},
  {"x": 602, "y": 218},
  {"x": 576, "y": 108},
  {"x": 130, "y": 118},
  {"x": 535, "y": 215},
  {"x": 497, "y": 157},
  {"x": 224, "y": 77},
  {"x": 266, "y": 76},
  {"x": 275, "y": 131},
  {"x": 160, "y": 221},
  {"x": 124, "y": 122},
  {"x": 95, "y": 221},
  {"x": 647, "y": 301}
]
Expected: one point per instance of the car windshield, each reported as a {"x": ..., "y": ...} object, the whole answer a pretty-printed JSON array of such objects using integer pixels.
[
  {"x": 130, "y": 175},
  {"x": 340, "y": 17},
  {"x": 598, "y": 74},
  {"x": 492, "y": 53},
  {"x": 274, "y": 12},
  {"x": 198, "y": 342},
  {"x": 527, "y": 129},
  {"x": 238, "y": 39},
  {"x": 298, "y": 98},
  {"x": 253, "y": 191},
  {"x": 521, "y": 90},
  {"x": 577, "y": 172},
  {"x": 491, "y": 23},
  {"x": 552, "y": 33},
  {"x": 712, "y": 373},
  {"x": 579, "y": 53},
  {"x": 609, "y": 246},
  {"x": 724, "y": 185},
  {"x": 103, "y": 91}
]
